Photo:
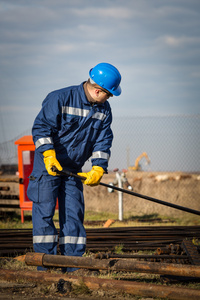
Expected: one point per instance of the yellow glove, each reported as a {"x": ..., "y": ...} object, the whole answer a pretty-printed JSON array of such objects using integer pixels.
[
  {"x": 50, "y": 161},
  {"x": 93, "y": 177}
]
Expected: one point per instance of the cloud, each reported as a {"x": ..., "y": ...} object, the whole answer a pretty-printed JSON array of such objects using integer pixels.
[
  {"x": 173, "y": 41},
  {"x": 117, "y": 12},
  {"x": 195, "y": 74},
  {"x": 45, "y": 44}
]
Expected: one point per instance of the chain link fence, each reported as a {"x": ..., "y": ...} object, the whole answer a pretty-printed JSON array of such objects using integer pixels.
[
  {"x": 172, "y": 143},
  {"x": 8, "y": 150}
]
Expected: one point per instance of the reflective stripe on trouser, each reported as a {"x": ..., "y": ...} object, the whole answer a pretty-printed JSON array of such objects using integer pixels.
[{"x": 69, "y": 192}]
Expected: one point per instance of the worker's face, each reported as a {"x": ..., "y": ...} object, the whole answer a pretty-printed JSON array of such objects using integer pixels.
[{"x": 102, "y": 95}]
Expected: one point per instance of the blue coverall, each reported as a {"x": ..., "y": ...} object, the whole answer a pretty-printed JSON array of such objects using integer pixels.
[{"x": 77, "y": 131}]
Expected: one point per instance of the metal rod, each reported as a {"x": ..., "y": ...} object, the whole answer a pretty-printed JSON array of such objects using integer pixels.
[
  {"x": 96, "y": 284},
  {"x": 127, "y": 265},
  {"x": 139, "y": 256},
  {"x": 4, "y": 188},
  {"x": 67, "y": 173},
  {"x": 192, "y": 211}
]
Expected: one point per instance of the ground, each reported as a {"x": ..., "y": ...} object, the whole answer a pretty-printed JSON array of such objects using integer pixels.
[
  {"x": 59, "y": 289},
  {"x": 179, "y": 188},
  {"x": 182, "y": 189}
]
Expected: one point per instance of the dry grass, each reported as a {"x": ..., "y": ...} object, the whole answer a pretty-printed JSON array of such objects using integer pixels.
[{"x": 12, "y": 220}]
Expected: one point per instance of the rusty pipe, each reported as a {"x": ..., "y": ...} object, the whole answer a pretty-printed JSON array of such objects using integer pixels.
[
  {"x": 9, "y": 180},
  {"x": 163, "y": 250},
  {"x": 127, "y": 265},
  {"x": 93, "y": 283},
  {"x": 4, "y": 188},
  {"x": 139, "y": 256}
]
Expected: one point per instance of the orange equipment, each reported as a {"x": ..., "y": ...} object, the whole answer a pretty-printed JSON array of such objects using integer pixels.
[
  {"x": 137, "y": 166},
  {"x": 26, "y": 149}
]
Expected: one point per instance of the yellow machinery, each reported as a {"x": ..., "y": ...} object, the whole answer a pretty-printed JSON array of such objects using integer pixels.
[{"x": 137, "y": 166}]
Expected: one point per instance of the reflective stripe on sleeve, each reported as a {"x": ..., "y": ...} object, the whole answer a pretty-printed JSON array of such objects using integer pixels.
[
  {"x": 43, "y": 141},
  {"x": 37, "y": 239},
  {"x": 100, "y": 154},
  {"x": 72, "y": 240}
]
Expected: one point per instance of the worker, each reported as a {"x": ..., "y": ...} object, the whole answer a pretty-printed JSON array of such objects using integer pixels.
[{"x": 74, "y": 124}]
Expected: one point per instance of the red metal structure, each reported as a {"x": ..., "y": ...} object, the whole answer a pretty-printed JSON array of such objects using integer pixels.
[{"x": 26, "y": 149}]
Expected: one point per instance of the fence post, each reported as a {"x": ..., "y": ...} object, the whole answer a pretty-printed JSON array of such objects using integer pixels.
[{"x": 120, "y": 196}]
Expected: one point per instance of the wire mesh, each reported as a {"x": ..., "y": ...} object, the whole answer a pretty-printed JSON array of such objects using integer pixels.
[{"x": 171, "y": 142}]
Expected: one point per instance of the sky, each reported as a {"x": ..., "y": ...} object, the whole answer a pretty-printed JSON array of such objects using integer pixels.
[{"x": 47, "y": 45}]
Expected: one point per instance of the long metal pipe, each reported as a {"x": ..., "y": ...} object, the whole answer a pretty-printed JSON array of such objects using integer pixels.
[
  {"x": 192, "y": 211},
  {"x": 93, "y": 283},
  {"x": 138, "y": 256},
  {"x": 105, "y": 239},
  {"x": 179, "y": 207},
  {"x": 127, "y": 265},
  {"x": 4, "y": 188}
]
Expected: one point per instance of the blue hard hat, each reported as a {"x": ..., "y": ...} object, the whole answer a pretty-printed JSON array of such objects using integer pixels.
[{"x": 108, "y": 77}]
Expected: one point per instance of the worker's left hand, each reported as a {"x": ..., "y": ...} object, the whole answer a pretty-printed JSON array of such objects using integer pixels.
[
  {"x": 51, "y": 161},
  {"x": 93, "y": 177}
]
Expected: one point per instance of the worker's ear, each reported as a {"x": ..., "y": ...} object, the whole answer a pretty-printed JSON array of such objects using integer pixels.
[{"x": 97, "y": 91}]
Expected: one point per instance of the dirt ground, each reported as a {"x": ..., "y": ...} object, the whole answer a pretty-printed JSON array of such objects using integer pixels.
[
  {"x": 32, "y": 291},
  {"x": 56, "y": 286},
  {"x": 179, "y": 188},
  {"x": 182, "y": 189}
]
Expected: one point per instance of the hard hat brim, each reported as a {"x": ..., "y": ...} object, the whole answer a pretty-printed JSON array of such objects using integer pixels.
[{"x": 117, "y": 92}]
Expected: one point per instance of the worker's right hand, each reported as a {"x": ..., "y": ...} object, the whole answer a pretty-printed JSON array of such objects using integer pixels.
[
  {"x": 93, "y": 177},
  {"x": 51, "y": 161}
]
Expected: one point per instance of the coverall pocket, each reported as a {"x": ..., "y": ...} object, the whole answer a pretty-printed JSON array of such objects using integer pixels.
[
  {"x": 97, "y": 124},
  {"x": 94, "y": 131},
  {"x": 43, "y": 188},
  {"x": 33, "y": 188}
]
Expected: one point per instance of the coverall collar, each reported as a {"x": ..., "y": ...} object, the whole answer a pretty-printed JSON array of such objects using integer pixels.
[{"x": 89, "y": 98}]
